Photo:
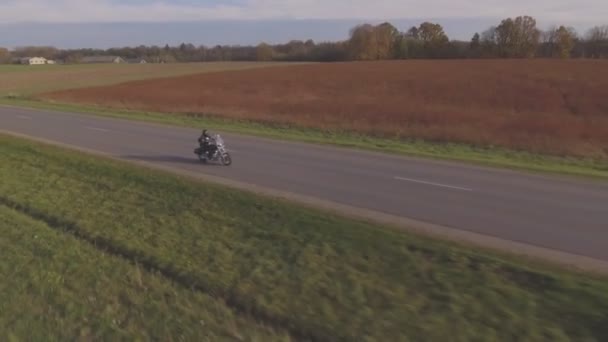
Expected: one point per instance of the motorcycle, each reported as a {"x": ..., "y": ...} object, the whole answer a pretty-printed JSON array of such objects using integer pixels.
[{"x": 220, "y": 152}]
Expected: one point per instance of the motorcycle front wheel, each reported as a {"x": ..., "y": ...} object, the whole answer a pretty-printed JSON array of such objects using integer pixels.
[{"x": 226, "y": 159}]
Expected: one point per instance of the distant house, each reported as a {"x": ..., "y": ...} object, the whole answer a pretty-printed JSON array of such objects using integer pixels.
[
  {"x": 136, "y": 61},
  {"x": 33, "y": 61},
  {"x": 102, "y": 59}
]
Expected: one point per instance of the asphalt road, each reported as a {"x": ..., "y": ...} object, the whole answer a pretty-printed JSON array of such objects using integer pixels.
[{"x": 557, "y": 213}]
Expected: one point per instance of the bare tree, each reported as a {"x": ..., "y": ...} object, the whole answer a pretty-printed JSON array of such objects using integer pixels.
[
  {"x": 489, "y": 43},
  {"x": 48, "y": 52},
  {"x": 413, "y": 33},
  {"x": 598, "y": 33},
  {"x": 597, "y": 42},
  {"x": 475, "y": 46}
]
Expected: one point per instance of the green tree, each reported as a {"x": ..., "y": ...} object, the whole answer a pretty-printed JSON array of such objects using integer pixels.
[
  {"x": 561, "y": 41},
  {"x": 402, "y": 47},
  {"x": 387, "y": 41},
  {"x": 363, "y": 44},
  {"x": 434, "y": 39},
  {"x": 416, "y": 48},
  {"x": 264, "y": 52},
  {"x": 432, "y": 33},
  {"x": 517, "y": 37},
  {"x": 368, "y": 42}
]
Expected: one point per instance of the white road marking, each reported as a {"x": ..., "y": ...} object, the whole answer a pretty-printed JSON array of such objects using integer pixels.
[
  {"x": 96, "y": 129},
  {"x": 23, "y": 117},
  {"x": 433, "y": 184}
]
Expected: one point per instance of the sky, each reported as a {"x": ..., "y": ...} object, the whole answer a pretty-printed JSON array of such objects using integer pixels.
[{"x": 105, "y": 23}]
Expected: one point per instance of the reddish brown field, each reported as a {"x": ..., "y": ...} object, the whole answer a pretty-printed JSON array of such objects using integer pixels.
[{"x": 547, "y": 106}]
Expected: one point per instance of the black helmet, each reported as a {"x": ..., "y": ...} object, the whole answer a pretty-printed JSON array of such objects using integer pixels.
[{"x": 204, "y": 132}]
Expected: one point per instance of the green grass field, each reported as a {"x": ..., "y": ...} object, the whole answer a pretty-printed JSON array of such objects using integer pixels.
[
  {"x": 104, "y": 249},
  {"x": 25, "y": 81},
  {"x": 56, "y": 287}
]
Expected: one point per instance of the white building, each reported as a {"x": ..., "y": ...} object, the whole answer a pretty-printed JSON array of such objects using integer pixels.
[{"x": 33, "y": 60}]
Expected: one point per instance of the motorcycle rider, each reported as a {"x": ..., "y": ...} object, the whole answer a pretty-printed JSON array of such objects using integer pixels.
[{"x": 205, "y": 143}]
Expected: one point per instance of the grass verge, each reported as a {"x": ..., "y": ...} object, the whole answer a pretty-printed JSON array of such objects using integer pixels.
[
  {"x": 56, "y": 287},
  {"x": 495, "y": 157},
  {"x": 309, "y": 273}
]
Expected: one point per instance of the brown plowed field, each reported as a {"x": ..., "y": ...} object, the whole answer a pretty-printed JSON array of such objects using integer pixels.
[{"x": 549, "y": 106}]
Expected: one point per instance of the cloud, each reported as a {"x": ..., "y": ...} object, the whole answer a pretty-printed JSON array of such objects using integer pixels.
[{"x": 70, "y": 11}]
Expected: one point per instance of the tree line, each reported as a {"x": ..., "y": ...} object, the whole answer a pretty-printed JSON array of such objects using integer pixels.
[{"x": 511, "y": 38}]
